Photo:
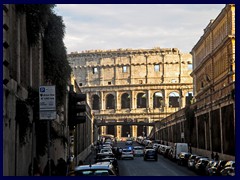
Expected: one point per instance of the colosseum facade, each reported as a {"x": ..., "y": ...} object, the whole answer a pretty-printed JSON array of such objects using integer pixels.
[{"x": 127, "y": 85}]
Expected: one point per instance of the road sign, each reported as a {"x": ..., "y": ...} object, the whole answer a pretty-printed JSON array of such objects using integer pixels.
[
  {"x": 48, "y": 115},
  {"x": 47, "y": 99},
  {"x": 47, "y": 102}
]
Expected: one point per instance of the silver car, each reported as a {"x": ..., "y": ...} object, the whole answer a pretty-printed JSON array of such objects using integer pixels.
[
  {"x": 127, "y": 153},
  {"x": 138, "y": 151}
]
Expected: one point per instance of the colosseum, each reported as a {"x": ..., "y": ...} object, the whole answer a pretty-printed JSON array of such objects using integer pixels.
[{"x": 133, "y": 86}]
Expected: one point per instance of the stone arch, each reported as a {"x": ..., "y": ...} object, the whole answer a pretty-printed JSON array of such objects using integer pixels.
[
  {"x": 110, "y": 101},
  {"x": 95, "y": 102},
  {"x": 173, "y": 99},
  {"x": 158, "y": 99},
  {"x": 141, "y": 100},
  {"x": 125, "y": 101}
]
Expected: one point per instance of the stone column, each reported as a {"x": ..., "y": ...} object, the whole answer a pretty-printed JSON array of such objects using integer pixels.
[
  {"x": 102, "y": 108},
  {"x": 130, "y": 69},
  {"x": 146, "y": 77},
  {"x": 86, "y": 75},
  {"x": 133, "y": 100},
  {"x": 134, "y": 130},
  {"x": 117, "y": 101},
  {"x": 119, "y": 131},
  {"x": 162, "y": 78},
  {"x": 101, "y": 78}
]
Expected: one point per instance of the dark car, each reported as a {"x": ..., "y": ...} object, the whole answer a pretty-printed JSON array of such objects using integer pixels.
[
  {"x": 209, "y": 166},
  {"x": 104, "y": 155},
  {"x": 196, "y": 160},
  {"x": 200, "y": 166},
  {"x": 183, "y": 158},
  {"x": 150, "y": 154},
  {"x": 191, "y": 160},
  {"x": 215, "y": 171},
  {"x": 229, "y": 169}
]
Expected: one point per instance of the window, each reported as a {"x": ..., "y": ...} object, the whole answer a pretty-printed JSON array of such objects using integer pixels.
[
  {"x": 109, "y": 83},
  {"x": 189, "y": 66},
  {"x": 156, "y": 68},
  {"x": 124, "y": 69},
  {"x": 80, "y": 84},
  {"x": 95, "y": 70}
]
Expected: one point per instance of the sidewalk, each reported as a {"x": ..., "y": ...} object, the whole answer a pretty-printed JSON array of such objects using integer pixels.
[{"x": 90, "y": 159}]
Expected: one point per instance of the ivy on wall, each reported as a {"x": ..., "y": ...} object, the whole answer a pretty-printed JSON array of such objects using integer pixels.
[
  {"x": 41, "y": 22},
  {"x": 36, "y": 19},
  {"x": 23, "y": 120},
  {"x": 56, "y": 66}
]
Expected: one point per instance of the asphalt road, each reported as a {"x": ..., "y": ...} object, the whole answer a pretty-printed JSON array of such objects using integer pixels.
[{"x": 163, "y": 167}]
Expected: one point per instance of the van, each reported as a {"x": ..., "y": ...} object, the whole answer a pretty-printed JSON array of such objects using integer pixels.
[{"x": 178, "y": 148}]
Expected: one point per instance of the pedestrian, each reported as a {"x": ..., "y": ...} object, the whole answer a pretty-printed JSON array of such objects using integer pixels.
[
  {"x": 212, "y": 155},
  {"x": 61, "y": 168},
  {"x": 53, "y": 168},
  {"x": 80, "y": 162},
  {"x": 35, "y": 170},
  {"x": 216, "y": 157}
]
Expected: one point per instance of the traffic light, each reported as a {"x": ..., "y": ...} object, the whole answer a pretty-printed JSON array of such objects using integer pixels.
[{"x": 76, "y": 111}]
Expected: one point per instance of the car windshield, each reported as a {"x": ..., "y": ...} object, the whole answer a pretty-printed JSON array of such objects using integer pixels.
[
  {"x": 138, "y": 148},
  {"x": 126, "y": 150}
]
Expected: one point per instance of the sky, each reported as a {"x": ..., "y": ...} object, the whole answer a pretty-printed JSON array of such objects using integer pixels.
[{"x": 135, "y": 26}]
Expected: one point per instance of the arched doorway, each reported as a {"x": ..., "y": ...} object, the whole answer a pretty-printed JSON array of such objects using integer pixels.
[
  {"x": 125, "y": 101},
  {"x": 95, "y": 102},
  {"x": 141, "y": 100},
  {"x": 110, "y": 102}
]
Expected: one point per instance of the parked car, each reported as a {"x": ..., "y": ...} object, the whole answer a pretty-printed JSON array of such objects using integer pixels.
[
  {"x": 196, "y": 160},
  {"x": 98, "y": 169},
  {"x": 201, "y": 165},
  {"x": 209, "y": 166},
  {"x": 220, "y": 166},
  {"x": 211, "y": 171},
  {"x": 138, "y": 151},
  {"x": 127, "y": 153},
  {"x": 150, "y": 154},
  {"x": 228, "y": 171},
  {"x": 146, "y": 148},
  {"x": 191, "y": 161},
  {"x": 111, "y": 160},
  {"x": 106, "y": 150},
  {"x": 155, "y": 146},
  {"x": 183, "y": 158},
  {"x": 216, "y": 169},
  {"x": 166, "y": 152}
]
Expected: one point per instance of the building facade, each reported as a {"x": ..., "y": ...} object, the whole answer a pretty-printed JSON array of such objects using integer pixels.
[
  {"x": 208, "y": 124},
  {"x": 22, "y": 75},
  {"x": 214, "y": 80},
  {"x": 126, "y": 85}
]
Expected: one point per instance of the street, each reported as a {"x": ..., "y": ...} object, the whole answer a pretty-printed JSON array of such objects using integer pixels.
[{"x": 139, "y": 167}]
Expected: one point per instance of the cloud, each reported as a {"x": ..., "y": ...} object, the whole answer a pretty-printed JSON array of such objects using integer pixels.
[{"x": 111, "y": 26}]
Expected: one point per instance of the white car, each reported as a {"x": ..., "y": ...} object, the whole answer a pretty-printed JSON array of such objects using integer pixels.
[
  {"x": 127, "y": 153},
  {"x": 138, "y": 151},
  {"x": 106, "y": 151}
]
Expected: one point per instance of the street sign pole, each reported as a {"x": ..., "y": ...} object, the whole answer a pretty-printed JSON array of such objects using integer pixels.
[
  {"x": 49, "y": 161},
  {"x": 47, "y": 111}
]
